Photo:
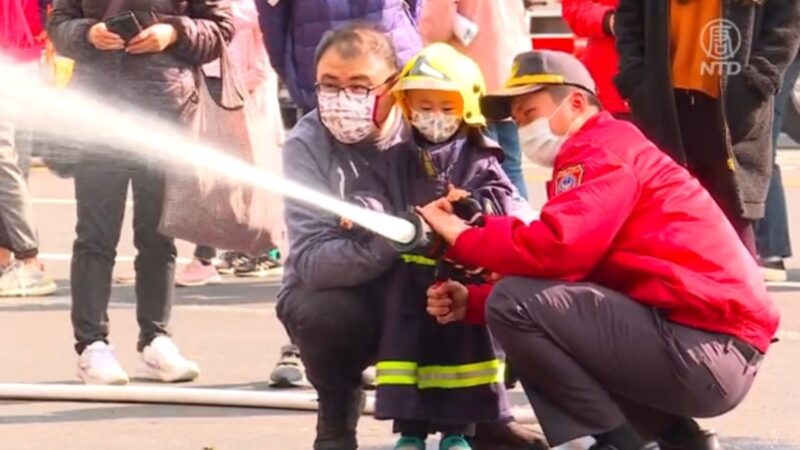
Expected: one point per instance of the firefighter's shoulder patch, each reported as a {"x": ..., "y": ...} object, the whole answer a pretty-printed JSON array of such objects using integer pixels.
[{"x": 568, "y": 178}]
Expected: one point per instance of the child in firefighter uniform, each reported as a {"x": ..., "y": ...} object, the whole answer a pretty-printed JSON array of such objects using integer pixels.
[{"x": 434, "y": 378}]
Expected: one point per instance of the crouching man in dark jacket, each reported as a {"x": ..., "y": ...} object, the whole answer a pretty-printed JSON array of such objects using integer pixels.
[
  {"x": 630, "y": 306},
  {"x": 153, "y": 71},
  {"x": 333, "y": 289}
]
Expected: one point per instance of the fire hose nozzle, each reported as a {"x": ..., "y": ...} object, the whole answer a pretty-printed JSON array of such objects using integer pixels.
[{"x": 423, "y": 235}]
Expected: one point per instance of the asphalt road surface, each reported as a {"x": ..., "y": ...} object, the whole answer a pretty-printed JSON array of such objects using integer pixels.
[{"x": 232, "y": 331}]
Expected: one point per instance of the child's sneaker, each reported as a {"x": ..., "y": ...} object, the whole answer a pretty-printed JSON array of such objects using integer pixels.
[
  {"x": 228, "y": 262},
  {"x": 454, "y": 442},
  {"x": 409, "y": 443}
]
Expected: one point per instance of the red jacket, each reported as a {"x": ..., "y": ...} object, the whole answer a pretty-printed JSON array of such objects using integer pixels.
[
  {"x": 623, "y": 215},
  {"x": 586, "y": 18},
  {"x": 19, "y": 28}
]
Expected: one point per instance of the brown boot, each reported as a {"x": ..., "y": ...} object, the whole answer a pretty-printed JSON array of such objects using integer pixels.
[{"x": 507, "y": 435}]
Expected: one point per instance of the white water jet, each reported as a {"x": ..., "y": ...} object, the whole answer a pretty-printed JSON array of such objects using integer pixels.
[{"x": 91, "y": 121}]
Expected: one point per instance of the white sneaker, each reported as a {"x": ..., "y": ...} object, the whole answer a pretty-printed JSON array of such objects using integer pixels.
[
  {"x": 162, "y": 361},
  {"x": 98, "y": 365}
]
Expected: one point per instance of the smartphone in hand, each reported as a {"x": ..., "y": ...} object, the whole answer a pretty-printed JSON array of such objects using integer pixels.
[{"x": 125, "y": 25}]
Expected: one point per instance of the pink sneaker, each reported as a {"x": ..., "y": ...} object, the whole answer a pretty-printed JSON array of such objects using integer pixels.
[{"x": 197, "y": 274}]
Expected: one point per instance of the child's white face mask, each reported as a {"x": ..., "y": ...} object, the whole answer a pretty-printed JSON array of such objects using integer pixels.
[{"x": 436, "y": 127}]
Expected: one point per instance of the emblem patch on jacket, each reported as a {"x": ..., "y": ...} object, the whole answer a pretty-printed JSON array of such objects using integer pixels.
[{"x": 568, "y": 178}]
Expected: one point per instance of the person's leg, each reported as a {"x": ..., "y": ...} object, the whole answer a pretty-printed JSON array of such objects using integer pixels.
[
  {"x": 155, "y": 260},
  {"x": 24, "y": 145},
  {"x": 508, "y": 138},
  {"x": 15, "y": 211},
  {"x": 707, "y": 157},
  {"x": 205, "y": 253},
  {"x": 100, "y": 191},
  {"x": 579, "y": 347},
  {"x": 6, "y": 147},
  {"x": 337, "y": 333},
  {"x": 772, "y": 232}
]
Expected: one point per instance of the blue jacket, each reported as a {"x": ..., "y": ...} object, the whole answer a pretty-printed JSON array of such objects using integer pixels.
[{"x": 293, "y": 28}]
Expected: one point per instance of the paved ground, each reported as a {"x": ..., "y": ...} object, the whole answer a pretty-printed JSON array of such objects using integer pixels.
[{"x": 231, "y": 330}]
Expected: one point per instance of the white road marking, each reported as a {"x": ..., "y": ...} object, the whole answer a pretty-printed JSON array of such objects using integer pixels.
[
  {"x": 264, "y": 308},
  {"x": 784, "y": 284},
  {"x": 68, "y": 257},
  {"x": 790, "y": 336},
  {"x": 62, "y": 201}
]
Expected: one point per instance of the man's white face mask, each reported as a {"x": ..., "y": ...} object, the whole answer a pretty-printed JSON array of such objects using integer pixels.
[{"x": 538, "y": 141}]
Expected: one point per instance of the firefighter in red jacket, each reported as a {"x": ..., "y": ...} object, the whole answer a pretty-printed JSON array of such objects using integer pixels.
[{"x": 630, "y": 306}]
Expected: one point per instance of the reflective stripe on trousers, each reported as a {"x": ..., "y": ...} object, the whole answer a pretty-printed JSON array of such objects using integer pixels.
[{"x": 439, "y": 377}]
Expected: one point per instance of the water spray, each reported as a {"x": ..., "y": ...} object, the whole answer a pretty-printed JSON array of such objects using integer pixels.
[{"x": 91, "y": 121}]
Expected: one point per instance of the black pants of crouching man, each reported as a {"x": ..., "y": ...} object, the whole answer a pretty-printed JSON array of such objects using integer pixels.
[{"x": 592, "y": 359}]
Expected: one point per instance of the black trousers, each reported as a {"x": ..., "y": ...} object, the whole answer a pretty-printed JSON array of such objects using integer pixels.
[
  {"x": 101, "y": 188},
  {"x": 591, "y": 359},
  {"x": 707, "y": 159},
  {"x": 337, "y": 332}
]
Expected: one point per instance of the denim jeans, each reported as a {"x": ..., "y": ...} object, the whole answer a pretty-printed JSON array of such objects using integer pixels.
[
  {"x": 507, "y": 137},
  {"x": 772, "y": 232}
]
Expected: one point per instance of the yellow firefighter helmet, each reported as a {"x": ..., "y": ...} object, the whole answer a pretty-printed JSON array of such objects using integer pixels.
[{"x": 441, "y": 67}]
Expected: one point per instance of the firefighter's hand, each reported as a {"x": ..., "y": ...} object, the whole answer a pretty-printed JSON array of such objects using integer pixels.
[
  {"x": 454, "y": 195},
  {"x": 447, "y": 302},
  {"x": 102, "y": 39},
  {"x": 154, "y": 39},
  {"x": 439, "y": 215}
]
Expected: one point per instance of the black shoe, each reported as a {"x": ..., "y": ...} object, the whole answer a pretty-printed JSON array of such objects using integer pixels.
[
  {"x": 257, "y": 267},
  {"x": 229, "y": 261},
  {"x": 507, "y": 435},
  {"x": 704, "y": 440},
  {"x": 648, "y": 446}
]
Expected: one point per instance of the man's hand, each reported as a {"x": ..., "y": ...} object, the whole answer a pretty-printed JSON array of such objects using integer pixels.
[
  {"x": 439, "y": 215},
  {"x": 102, "y": 39},
  {"x": 153, "y": 39},
  {"x": 447, "y": 302}
]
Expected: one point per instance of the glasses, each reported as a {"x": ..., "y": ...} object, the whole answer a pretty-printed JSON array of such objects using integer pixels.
[{"x": 353, "y": 92}]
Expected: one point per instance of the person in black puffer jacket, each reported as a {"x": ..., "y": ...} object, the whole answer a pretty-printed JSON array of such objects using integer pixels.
[{"x": 154, "y": 71}]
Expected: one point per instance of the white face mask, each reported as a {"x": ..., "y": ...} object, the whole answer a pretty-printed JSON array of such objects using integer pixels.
[
  {"x": 538, "y": 141},
  {"x": 349, "y": 120},
  {"x": 437, "y": 127}
]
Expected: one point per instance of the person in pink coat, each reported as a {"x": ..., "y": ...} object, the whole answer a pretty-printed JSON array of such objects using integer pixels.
[
  {"x": 501, "y": 35},
  {"x": 250, "y": 59}
]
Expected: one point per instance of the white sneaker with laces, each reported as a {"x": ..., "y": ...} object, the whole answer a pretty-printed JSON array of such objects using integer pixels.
[
  {"x": 98, "y": 365},
  {"x": 162, "y": 361}
]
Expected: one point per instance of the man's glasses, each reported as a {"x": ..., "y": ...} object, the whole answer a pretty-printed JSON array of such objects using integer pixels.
[{"x": 353, "y": 92}]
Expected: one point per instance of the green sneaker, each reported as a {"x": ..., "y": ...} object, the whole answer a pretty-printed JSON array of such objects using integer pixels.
[
  {"x": 409, "y": 443},
  {"x": 454, "y": 442}
]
